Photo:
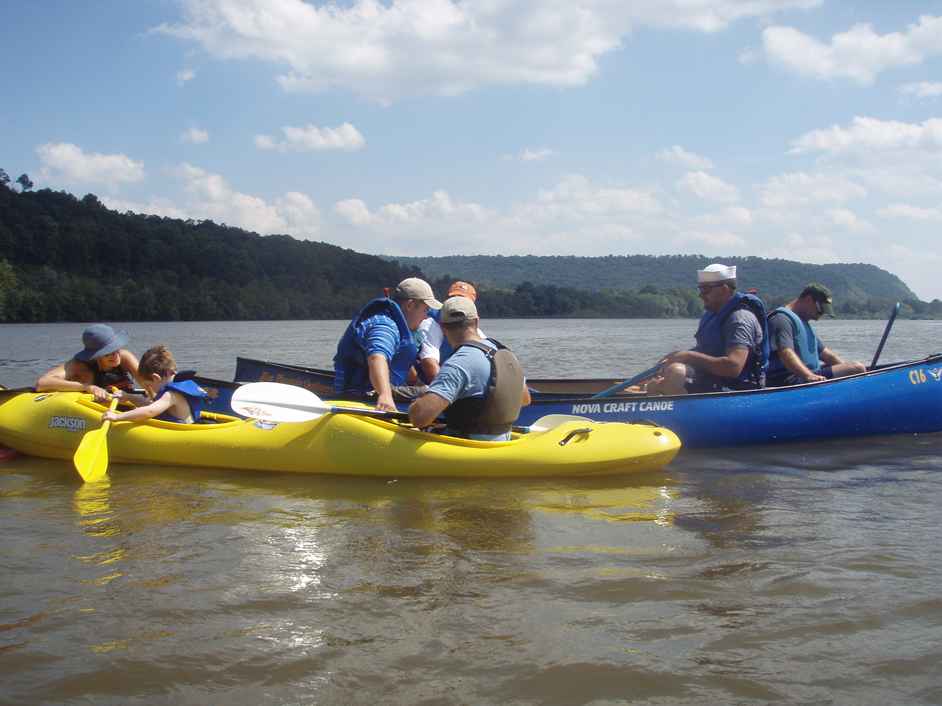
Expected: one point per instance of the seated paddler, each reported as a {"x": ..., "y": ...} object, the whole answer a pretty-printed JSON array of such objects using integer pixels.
[
  {"x": 480, "y": 388},
  {"x": 434, "y": 348},
  {"x": 103, "y": 363},
  {"x": 798, "y": 355},
  {"x": 378, "y": 348},
  {"x": 166, "y": 399},
  {"x": 732, "y": 341}
]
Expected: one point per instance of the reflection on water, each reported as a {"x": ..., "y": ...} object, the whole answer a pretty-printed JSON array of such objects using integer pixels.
[{"x": 803, "y": 573}]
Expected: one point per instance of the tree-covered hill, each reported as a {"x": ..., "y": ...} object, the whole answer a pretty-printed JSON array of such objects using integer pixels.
[
  {"x": 776, "y": 279},
  {"x": 69, "y": 259},
  {"x": 65, "y": 259}
]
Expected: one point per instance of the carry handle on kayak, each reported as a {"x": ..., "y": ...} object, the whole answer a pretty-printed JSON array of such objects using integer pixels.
[{"x": 585, "y": 431}]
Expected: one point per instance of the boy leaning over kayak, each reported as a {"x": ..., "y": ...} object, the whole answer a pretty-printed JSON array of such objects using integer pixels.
[{"x": 166, "y": 398}]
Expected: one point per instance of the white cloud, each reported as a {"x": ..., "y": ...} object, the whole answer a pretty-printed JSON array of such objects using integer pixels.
[
  {"x": 677, "y": 155},
  {"x": 848, "y": 220},
  {"x": 798, "y": 188},
  {"x": 869, "y": 134},
  {"x": 211, "y": 197},
  {"x": 708, "y": 187},
  {"x": 912, "y": 213},
  {"x": 311, "y": 138},
  {"x": 68, "y": 162},
  {"x": 535, "y": 155},
  {"x": 385, "y": 50},
  {"x": 195, "y": 136},
  {"x": 922, "y": 89},
  {"x": 731, "y": 217},
  {"x": 858, "y": 54},
  {"x": 717, "y": 240},
  {"x": 576, "y": 197},
  {"x": 354, "y": 211},
  {"x": 184, "y": 75}
]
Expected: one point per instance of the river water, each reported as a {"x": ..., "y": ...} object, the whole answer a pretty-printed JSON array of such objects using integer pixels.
[{"x": 806, "y": 574}]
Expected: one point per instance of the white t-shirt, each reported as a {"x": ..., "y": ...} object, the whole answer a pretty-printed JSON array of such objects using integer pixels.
[{"x": 431, "y": 337}]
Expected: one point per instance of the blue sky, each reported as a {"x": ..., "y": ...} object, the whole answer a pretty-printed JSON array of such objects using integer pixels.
[{"x": 801, "y": 129}]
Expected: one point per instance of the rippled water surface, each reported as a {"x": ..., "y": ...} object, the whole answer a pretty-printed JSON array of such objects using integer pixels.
[{"x": 803, "y": 573}]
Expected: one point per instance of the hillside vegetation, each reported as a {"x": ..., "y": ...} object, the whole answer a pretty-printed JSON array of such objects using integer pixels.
[
  {"x": 776, "y": 279},
  {"x": 69, "y": 259}
]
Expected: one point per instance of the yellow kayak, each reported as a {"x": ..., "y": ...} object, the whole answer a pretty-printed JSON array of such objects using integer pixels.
[{"x": 51, "y": 425}]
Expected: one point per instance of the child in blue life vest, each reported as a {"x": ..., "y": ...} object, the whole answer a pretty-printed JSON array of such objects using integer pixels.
[{"x": 166, "y": 399}]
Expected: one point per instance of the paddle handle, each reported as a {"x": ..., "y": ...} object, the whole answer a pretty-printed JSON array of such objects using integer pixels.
[
  {"x": 886, "y": 332},
  {"x": 614, "y": 389}
]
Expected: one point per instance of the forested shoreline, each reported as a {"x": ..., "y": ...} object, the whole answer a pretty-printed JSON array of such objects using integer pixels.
[{"x": 68, "y": 259}]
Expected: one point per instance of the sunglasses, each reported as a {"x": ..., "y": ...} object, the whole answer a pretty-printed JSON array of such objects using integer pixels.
[
  {"x": 819, "y": 306},
  {"x": 704, "y": 288}
]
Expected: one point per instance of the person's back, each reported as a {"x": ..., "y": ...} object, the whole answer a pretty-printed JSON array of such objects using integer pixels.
[{"x": 480, "y": 388}]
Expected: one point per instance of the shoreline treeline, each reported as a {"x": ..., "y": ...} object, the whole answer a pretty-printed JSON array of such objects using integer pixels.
[{"x": 69, "y": 259}]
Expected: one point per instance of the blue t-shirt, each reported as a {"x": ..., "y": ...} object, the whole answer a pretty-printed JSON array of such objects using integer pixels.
[
  {"x": 379, "y": 334},
  {"x": 466, "y": 374}
]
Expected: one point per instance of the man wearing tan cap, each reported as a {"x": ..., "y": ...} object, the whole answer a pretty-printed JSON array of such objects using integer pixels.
[
  {"x": 377, "y": 349},
  {"x": 434, "y": 348},
  {"x": 732, "y": 341},
  {"x": 480, "y": 388},
  {"x": 798, "y": 355}
]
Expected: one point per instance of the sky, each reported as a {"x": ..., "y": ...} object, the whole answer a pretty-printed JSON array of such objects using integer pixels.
[{"x": 809, "y": 130}]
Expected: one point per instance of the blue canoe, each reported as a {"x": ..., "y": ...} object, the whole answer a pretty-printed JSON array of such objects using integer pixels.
[{"x": 891, "y": 399}]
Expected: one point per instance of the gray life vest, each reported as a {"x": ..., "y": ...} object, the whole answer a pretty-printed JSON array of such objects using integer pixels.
[{"x": 496, "y": 412}]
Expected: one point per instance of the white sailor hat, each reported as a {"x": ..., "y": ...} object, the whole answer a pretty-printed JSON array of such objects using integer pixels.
[{"x": 716, "y": 273}]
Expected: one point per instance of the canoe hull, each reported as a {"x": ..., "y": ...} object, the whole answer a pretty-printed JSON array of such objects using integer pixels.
[
  {"x": 892, "y": 399},
  {"x": 51, "y": 425}
]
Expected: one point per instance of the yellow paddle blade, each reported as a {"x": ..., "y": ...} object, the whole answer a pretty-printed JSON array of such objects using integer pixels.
[{"x": 91, "y": 457}]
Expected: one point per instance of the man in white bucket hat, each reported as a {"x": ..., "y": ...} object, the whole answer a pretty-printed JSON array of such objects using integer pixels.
[{"x": 732, "y": 342}]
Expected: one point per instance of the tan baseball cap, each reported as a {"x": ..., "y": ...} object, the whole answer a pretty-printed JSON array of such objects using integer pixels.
[
  {"x": 457, "y": 310},
  {"x": 415, "y": 288}
]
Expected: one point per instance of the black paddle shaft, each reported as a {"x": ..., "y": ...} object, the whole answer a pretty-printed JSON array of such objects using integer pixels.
[{"x": 886, "y": 332}]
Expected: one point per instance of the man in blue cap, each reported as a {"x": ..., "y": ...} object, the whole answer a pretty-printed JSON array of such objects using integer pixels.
[{"x": 103, "y": 362}]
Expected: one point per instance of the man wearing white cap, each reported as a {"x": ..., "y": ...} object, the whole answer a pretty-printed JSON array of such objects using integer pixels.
[
  {"x": 377, "y": 349},
  {"x": 480, "y": 387},
  {"x": 732, "y": 341}
]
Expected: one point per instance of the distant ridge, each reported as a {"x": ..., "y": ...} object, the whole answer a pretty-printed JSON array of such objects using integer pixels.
[
  {"x": 69, "y": 259},
  {"x": 775, "y": 278}
]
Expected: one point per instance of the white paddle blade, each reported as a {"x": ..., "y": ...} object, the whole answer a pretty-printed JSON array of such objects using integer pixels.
[
  {"x": 551, "y": 421},
  {"x": 277, "y": 402}
]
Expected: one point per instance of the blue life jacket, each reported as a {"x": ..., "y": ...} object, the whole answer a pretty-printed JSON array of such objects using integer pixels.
[
  {"x": 445, "y": 350},
  {"x": 806, "y": 345},
  {"x": 194, "y": 394},
  {"x": 351, "y": 372},
  {"x": 710, "y": 341}
]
